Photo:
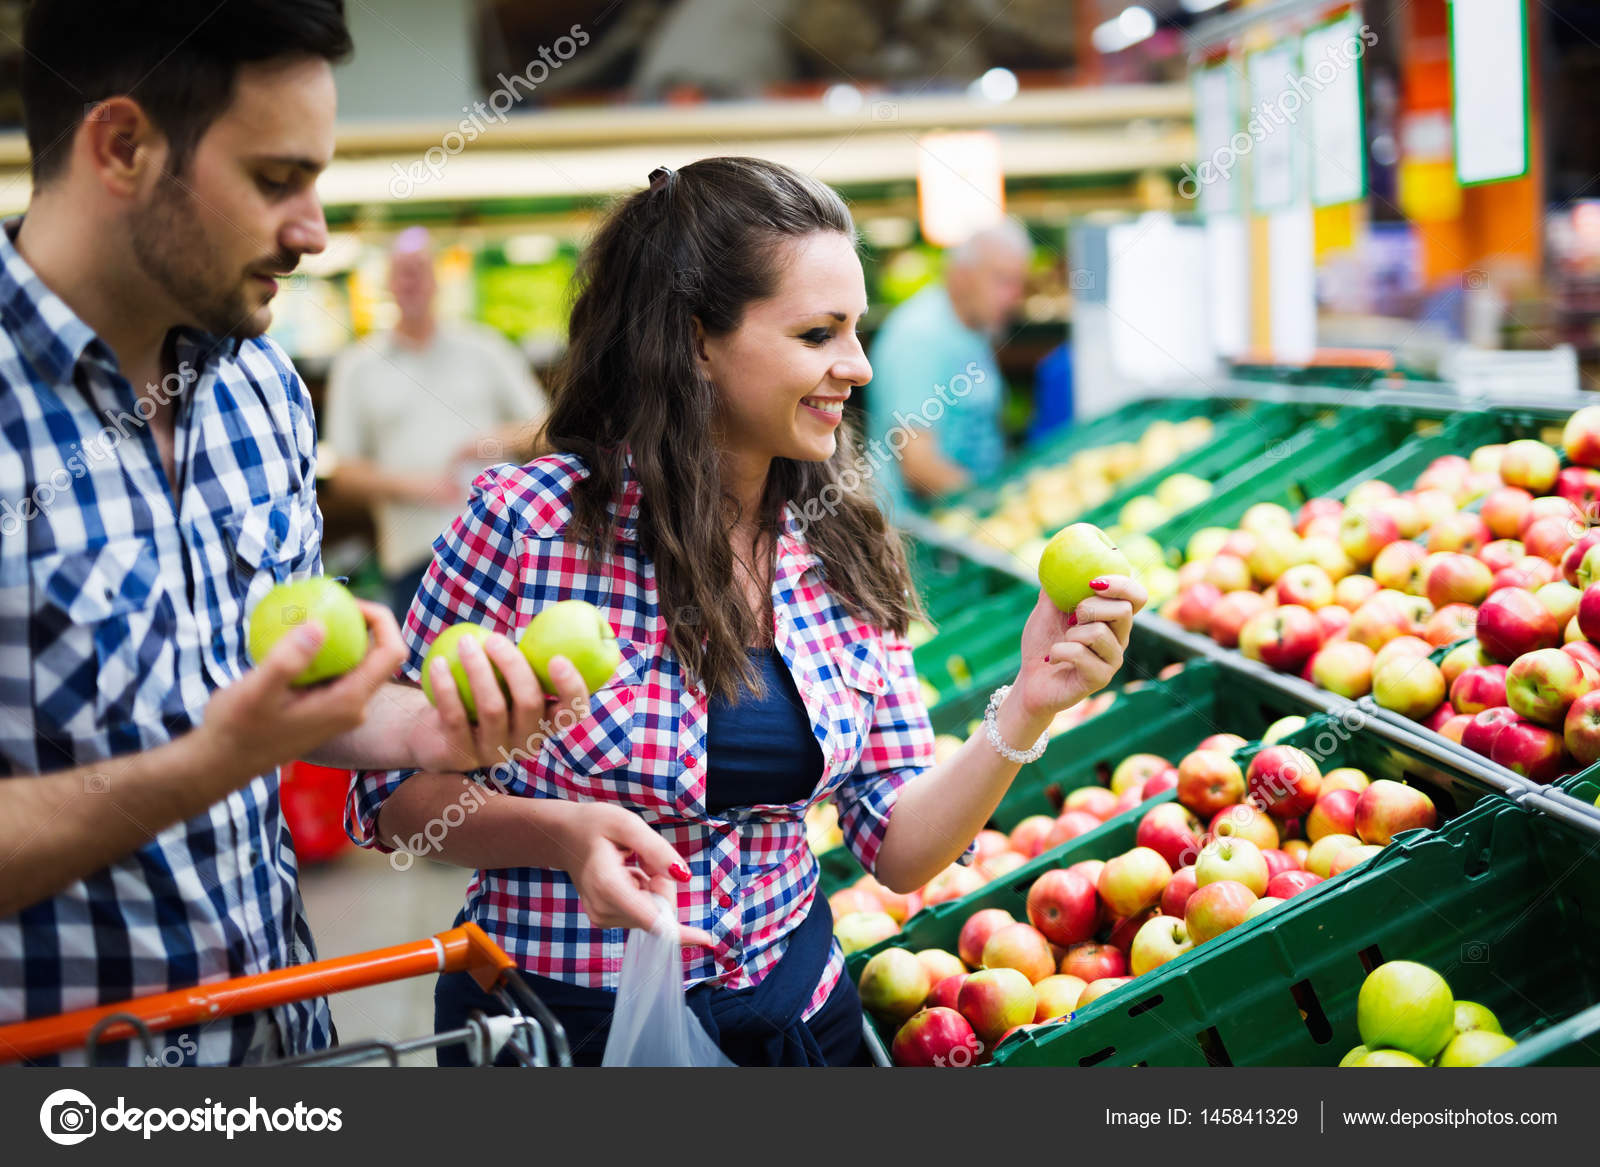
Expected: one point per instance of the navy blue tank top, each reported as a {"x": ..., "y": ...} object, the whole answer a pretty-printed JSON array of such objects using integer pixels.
[{"x": 761, "y": 752}]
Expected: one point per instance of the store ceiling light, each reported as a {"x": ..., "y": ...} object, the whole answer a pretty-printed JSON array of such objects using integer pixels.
[
  {"x": 1202, "y": 5},
  {"x": 996, "y": 85},
  {"x": 1126, "y": 30},
  {"x": 842, "y": 99}
]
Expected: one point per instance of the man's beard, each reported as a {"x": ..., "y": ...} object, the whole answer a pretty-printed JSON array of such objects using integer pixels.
[{"x": 172, "y": 255}]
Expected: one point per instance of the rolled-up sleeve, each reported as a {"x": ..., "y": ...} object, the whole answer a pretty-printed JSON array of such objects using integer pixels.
[
  {"x": 899, "y": 747},
  {"x": 475, "y": 576}
]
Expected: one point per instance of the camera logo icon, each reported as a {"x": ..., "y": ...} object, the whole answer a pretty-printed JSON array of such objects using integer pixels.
[
  {"x": 67, "y": 1117},
  {"x": 294, "y": 614}
]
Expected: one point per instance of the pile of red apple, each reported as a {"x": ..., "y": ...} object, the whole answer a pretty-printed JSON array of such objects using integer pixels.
[
  {"x": 1353, "y": 594},
  {"x": 1236, "y": 843}
]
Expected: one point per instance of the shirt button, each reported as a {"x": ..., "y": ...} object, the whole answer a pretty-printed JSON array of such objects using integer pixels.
[
  {"x": 689, "y": 761},
  {"x": 725, "y": 900}
]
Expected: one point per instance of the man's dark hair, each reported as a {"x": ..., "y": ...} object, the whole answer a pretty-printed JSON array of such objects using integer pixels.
[{"x": 177, "y": 58}]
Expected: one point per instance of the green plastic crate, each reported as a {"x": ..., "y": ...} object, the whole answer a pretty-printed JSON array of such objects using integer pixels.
[
  {"x": 1500, "y": 902},
  {"x": 973, "y": 642},
  {"x": 1335, "y": 743}
]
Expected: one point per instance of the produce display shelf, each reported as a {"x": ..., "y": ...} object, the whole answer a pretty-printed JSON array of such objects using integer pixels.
[
  {"x": 1500, "y": 902},
  {"x": 1333, "y": 741}
]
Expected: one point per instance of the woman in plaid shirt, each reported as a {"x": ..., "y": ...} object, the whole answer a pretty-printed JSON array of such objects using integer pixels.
[{"x": 706, "y": 498}]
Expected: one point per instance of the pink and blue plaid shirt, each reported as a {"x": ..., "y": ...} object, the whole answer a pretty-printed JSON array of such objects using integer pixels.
[{"x": 643, "y": 743}]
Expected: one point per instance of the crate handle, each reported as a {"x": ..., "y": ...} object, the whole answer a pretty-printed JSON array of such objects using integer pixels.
[{"x": 464, "y": 949}]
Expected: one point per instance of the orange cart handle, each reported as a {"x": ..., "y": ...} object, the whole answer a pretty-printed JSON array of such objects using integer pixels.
[{"x": 463, "y": 949}]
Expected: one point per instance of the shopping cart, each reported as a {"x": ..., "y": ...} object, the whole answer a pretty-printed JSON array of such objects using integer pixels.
[{"x": 528, "y": 1030}]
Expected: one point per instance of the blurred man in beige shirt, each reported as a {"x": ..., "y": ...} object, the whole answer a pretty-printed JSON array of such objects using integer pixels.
[{"x": 415, "y": 414}]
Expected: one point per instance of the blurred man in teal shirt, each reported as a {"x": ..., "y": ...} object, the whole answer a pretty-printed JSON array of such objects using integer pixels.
[{"x": 933, "y": 406}]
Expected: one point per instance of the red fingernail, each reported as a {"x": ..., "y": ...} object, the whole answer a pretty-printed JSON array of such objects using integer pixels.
[
  {"x": 1047, "y": 658},
  {"x": 1072, "y": 618},
  {"x": 680, "y": 873},
  {"x": 1099, "y": 585}
]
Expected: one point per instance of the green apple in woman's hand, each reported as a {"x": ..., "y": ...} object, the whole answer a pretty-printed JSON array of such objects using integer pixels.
[
  {"x": 576, "y": 630},
  {"x": 447, "y": 647},
  {"x": 293, "y": 604},
  {"x": 1076, "y": 555}
]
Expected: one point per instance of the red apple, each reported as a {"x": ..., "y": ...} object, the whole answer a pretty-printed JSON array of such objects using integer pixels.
[
  {"x": 1573, "y": 559},
  {"x": 1132, "y": 772},
  {"x": 1314, "y": 508},
  {"x": 1244, "y": 821},
  {"x": 1451, "y": 623},
  {"x": 1440, "y": 717},
  {"x": 1480, "y": 688},
  {"x": 1581, "y": 730},
  {"x": 1171, "y": 831},
  {"x": 1125, "y": 928},
  {"x": 1334, "y": 814},
  {"x": 850, "y": 900},
  {"x": 1447, "y": 472},
  {"x": 1227, "y": 573},
  {"x": 952, "y": 883},
  {"x": 1550, "y": 507},
  {"x": 1479, "y": 734},
  {"x": 1463, "y": 531},
  {"x": 1380, "y": 620},
  {"x": 1502, "y": 554},
  {"x": 1283, "y": 781},
  {"x": 1455, "y": 578},
  {"x": 946, "y": 992},
  {"x": 1162, "y": 938},
  {"x": 894, "y": 984},
  {"x": 976, "y": 931},
  {"x": 1540, "y": 571},
  {"x": 1549, "y": 539},
  {"x": 1239, "y": 543},
  {"x": 1028, "y": 836},
  {"x": 1456, "y": 727},
  {"x": 1397, "y": 563},
  {"x": 1226, "y": 742},
  {"x": 1531, "y": 465},
  {"x": 1542, "y": 685},
  {"x": 1100, "y": 988},
  {"x": 1516, "y": 577},
  {"x": 1068, "y": 827},
  {"x": 1535, "y": 752},
  {"x": 1063, "y": 905},
  {"x": 1334, "y": 621},
  {"x": 1215, "y": 908},
  {"x": 1581, "y": 436},
  {"x": 1307, "y": 585},
  {"x": 1281, "y": 638},
  {"x": 1194, "y": 606},
  {"x": 1512, "y": 622},
  {"x": 1351, "y": 856},
  {"x": 1461, "y": 658},
  {"x": 998, "y": 866},
  {"x": 1278, "y": 862},
  {"x": 1291, "y": 883},
  {"x": 1405, "y": 512},
  {"x": 1209, "y": 780},
  {"x": 1134, "y": 881},
  {"x": 1583, "y": 651},
  {"x": 1503, "y": 510},
  {"x": 1159, "y": 783},
  {"x": 1089, "y": 868},
  {"x": 1366, "y": 493},
  {"x": 1179, "y": 888},
  {"x": 936, "y": 1037},
  {"x": 1343, "y": 667},
  {"x": 1091, "y": 962},
  {"x": 1129, "y": 800},
  {"x": 995, "y": 999},
  {"x": 1589, "y": 612},
  {"x": 1354, "y": 590},
  {"x": 1386, "y": 808},
  {"x": 1022, "y": 947},
  {"x": 1580, "y": 486},
  {"x": 940, "y": 964},
  {"x": 1230, "y": 614},
  {"x": 990, "y": 843},
  {"x": 1364, "y": 533},
  {"x": 1276, "y": 551},
  {"x": 1095, "y": 800},
  {"x": 1401, "y": 648}
]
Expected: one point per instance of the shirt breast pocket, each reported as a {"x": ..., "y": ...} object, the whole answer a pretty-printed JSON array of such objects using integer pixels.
[
  {"x": 265, "y": 541},
  {"x": 105, "y": 655},
  {"x": 863, "y": 679},
  {"x": 587, "y": 750}
]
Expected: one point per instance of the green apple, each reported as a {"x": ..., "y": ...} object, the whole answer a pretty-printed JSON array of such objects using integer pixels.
[
  {"x": 1473, "y": 1048},
  {"x": 447, "y": 646},
  {"x": 1406, "y": 1006},
  {"x": 1076, "y": 555},
  {"x": 860, "y": 930},
  {"x": 289, "y": 605},
  {"x": 1470, "y": 1015},
  {"x": 1282, "y": 728},
  {"x": 1353, "y": 1058},
  {"x": 1388, "y": 1059},
  {"x": 576, "y": 630}
]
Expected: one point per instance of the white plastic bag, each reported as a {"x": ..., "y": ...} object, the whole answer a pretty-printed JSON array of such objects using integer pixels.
[{"x": 652, "y": 1024}]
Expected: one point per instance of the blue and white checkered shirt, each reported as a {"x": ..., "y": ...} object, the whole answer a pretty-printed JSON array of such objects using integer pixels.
[{"x": 122, "y": 608}]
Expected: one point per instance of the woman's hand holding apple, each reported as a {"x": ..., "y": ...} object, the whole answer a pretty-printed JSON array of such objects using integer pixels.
[{"x": 1067, "y": 656}]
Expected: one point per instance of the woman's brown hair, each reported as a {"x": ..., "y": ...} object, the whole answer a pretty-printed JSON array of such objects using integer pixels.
[{"x": 703, "y": 243}]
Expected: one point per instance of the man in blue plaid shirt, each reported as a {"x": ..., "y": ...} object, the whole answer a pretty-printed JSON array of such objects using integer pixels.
[{"x": 157, "y": 477}]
